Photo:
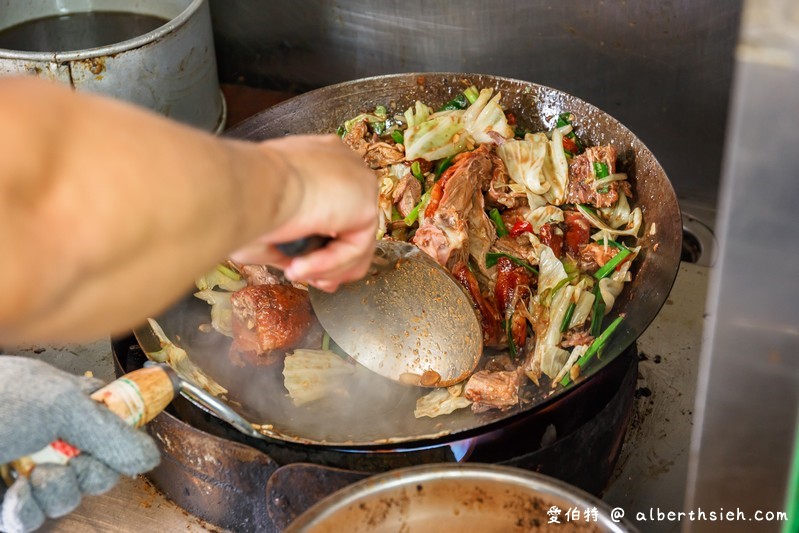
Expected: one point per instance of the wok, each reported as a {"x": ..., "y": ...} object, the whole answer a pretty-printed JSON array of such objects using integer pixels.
[{"x": 374, "y": 412}]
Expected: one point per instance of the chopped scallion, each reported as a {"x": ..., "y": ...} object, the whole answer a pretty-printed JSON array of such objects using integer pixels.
[
  {"x": 597, "y": 312},
  {"x": 498, "y": 222},
  {"x": 228, "y": 272},
  {"x": 596, "y": 346},
  {"x": 509, "y": 334},
  {"x": 459, "y": 102},
  {"x": 493, "y": 257},
  {"x": 568, "y": 317},
  {"x": 414, "y": 214},
  {"x": 615, "y": 261},
  {"x": 443, "y": 165},
  {"x": 416, "y": 170},
  {"x": 601, "y": 170},
  {"x": 398, "y": 137},
  {"x": 325, "y": 341},
  {"x": 471, "y": 94}
]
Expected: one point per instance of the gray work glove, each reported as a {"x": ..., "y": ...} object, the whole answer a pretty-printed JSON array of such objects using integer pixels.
[{"x": 39, "y": 404}]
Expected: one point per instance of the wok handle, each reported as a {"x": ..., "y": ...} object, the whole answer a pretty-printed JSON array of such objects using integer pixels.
[
  {"x": 136, "y": 398},
  {"x": 303, "y": 246}
]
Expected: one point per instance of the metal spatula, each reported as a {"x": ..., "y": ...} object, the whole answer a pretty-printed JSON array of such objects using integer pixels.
[{"x": 408, "y": 319}]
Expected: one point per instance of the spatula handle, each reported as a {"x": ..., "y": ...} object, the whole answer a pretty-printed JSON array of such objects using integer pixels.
[
  {"x": 136, "y": 398},
  {"x": 303, "y": 246}
]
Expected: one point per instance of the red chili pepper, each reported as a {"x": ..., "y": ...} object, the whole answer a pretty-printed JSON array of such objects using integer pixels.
[
  {"x": 511, "y": 118},
  {"x": 519, "y": 227},
  {"x": 570, "y": 145}
]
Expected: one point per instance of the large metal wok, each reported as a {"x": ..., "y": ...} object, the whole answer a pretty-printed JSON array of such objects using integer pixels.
[{"x": 375, "y": 411}]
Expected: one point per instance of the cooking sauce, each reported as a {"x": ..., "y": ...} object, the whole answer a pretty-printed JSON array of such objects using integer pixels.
[{"x": 77, "y": 31}]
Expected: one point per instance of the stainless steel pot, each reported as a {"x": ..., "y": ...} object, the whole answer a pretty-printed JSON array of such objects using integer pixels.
[
  {"x": 170, "y": 70},
  {"x": 459, "y": 497}
]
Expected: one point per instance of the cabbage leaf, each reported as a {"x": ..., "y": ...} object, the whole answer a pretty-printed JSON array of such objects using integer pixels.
[
  {"x": 221, "y": 310},
  {"x": 221, "y": 277},
  {"x": 486, "y": 115},
  {"x": 550, "y": 270},
  {"x": 177, "y": 358},
  {"x": 310, "y": 375},
  {"x": 441, "y": 401},
  {"x": 440, "y": 136}
]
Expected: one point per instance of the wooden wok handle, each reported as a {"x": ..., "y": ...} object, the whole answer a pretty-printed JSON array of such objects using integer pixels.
[
  {"x": 136, "y": 398},
  {"x": 303, "y": 246}
]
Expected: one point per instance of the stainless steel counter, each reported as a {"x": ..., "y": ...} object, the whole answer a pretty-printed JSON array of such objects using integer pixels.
[{"x": 651, "y": 471}]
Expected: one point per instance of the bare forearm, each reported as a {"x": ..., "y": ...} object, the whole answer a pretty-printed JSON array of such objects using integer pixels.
[{"x": 109, "y": 212}]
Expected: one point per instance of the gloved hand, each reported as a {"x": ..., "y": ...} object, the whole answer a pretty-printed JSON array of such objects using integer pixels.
[{"x": 39, "y": 404}]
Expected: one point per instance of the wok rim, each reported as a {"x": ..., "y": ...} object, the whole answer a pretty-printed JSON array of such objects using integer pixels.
[{"x": 245, "y": 131}]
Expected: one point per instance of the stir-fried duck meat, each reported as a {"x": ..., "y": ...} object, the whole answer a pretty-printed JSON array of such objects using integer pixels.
[
  {"x": 576, "y": 337},
  {"x": 407, "y": 194},
  {"x": 512, "y": 292},
  {"x": 519, "y": 246},
  {"x": 593, "y": 256},
  {"x": 443, "y": 233},
  {"x": 489, "y": 316},
  {"x": 260, "y": 275},
  {"x": 512, "y": 216},
  {"x": 357, "y": 137},
  {"x": 552, "y": 236},
  {"x": 576, "y": 233},
  {"x": 493, "y": 390},
  {"x": 496, "y": 189},
  {"x": 458, "y": 183},
  {"x": 382, "y": 154},
  {"x": 444, "y": 237},
  {"x": 581, "y": 188},
  {"x": 269, "y": 320}
]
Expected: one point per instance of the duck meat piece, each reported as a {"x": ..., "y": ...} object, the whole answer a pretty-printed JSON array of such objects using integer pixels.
[
  {"x": 489, "y": 316},
  {"x": 551, "y": 235},
  {"x": 518, "y": 214},
  {"x": 593, "y": 256},
  {"x": 498, "y": 194},
  {"x": 269, "y": 319},
  {"x": 444, "y": 237},
  {"x": 576, "y": 234},
  {"x": 382, "y": 154},
  {"x": 576, "y": 337},
  {"x": 581, "y": 189},
  {"x": 512, "y": 292},
  {"x": 493, "y": 390},
  {"x": 407, "y": 194},
  {"x": 518, "y": 246},
  {"x": 443, "y": 233},
  {"x": 261, "y": 275},
  {"x": 456, "y": 187},
  {"x": 356, "y": 138}
]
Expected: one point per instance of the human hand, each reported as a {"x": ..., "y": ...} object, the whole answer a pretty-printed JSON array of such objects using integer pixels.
[
  {"x": 40, "y": 404},
  {"x": 338, "y": 198}
]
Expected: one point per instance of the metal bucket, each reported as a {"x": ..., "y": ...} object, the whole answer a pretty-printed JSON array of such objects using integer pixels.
[
  {"x": 460, "y": 497},
  {"x": 170, "y": 70}
]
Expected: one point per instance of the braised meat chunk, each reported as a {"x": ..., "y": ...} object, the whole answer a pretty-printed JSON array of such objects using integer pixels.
[
  {"x": 582, "y": 175},
  {"x": 270, "y": 319},
  {"x": 493, "y": 390}
]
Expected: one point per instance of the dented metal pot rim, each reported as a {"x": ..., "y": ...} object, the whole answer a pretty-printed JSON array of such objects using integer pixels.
[{"x": 109, "y": 50}]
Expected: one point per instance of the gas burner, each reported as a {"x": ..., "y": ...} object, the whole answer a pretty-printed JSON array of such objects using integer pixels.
[{"x": 246, "y": 484}]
